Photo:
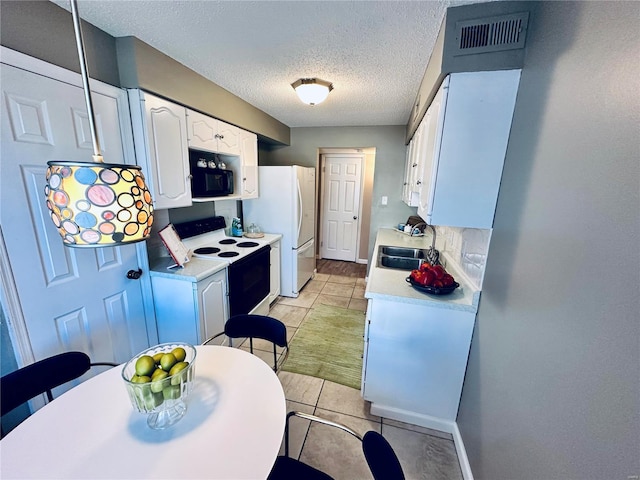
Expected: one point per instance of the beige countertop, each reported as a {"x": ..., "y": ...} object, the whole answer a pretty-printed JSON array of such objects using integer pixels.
[{"x": 391, "y": 284}]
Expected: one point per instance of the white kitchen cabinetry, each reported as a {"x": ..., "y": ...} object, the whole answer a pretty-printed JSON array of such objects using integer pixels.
[
  {"x": 416, "y": 357},
  {"x": 413, "y": 170},
  {"x": 190, "y": 311},
  {"x": 207, "y": 133},
  {"x": 249, "y": 161},
  {"x": 463, "y": 146},
  {"x": 160, "y": 137},
  {"x": 274, "y": 272}
]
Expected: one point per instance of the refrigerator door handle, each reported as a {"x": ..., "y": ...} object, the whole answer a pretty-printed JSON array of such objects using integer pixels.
[{"x": 299, "y": 208}]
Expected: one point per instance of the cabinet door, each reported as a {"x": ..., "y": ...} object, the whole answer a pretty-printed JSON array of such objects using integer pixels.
[
  {"x": 473, "y": 129},
  {"x": 413, "y": 168},
  {"x": 228, "y": 139},
  {"x": 417, "y": 357},
  {"x": 176, "y": 310},
  {"x": 249, "y": 160},
  {"x": 274, "y": 272},
  {"x": 213, "y": 306},
  {"x": 168, "y": 152},
  {"x": 202, "y": 131},
  {"x": 430, "y": 148}
]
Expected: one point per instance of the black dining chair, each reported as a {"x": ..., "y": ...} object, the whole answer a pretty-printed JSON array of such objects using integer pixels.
[
  {"x": 257, "y": 326},
  {"x": 43, "y": 376},
  {"x": 382, "y": 460}
]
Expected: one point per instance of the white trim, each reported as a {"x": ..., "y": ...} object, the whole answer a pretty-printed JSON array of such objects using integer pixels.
[
  {"x": 414, "y": 418},
  {"x": 14, "y": 314},
  {"x": 465, "y": 467}
]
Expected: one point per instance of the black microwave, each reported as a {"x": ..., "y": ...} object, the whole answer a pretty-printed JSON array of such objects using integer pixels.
[{"x": 207, "y": 178}]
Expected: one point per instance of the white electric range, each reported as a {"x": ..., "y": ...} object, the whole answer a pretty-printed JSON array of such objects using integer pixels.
[
  {"x": 225, "y": 276},
  {"x": 248, "y": 271}
]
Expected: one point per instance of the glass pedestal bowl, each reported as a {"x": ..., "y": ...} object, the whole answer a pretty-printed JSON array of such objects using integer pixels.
[{"x": 163, "y": 395}]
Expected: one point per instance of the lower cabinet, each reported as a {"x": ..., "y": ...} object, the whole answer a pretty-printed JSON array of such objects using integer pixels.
[
  {"x": 415, "y": 357},
  {"x": 274, "y": 272},
  {"x": 188, "y": 311}
]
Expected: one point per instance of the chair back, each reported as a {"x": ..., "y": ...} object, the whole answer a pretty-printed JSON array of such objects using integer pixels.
[
  {"x": 382, "y": 460},
  {"x": 40, "y": 377},
  {"x": 257, "y": 326}
]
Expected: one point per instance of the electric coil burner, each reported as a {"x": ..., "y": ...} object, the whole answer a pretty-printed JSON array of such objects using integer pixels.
[
  {"x": 206, "y": 250},
  {"x": 228, "y": 254},
  {"x": 248, "y": 244},
  {"x": 228, "y": 241}
]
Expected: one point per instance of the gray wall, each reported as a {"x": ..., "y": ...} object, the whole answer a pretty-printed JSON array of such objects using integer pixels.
[
  {"x": 552, "y": 387},
  {"x": 389, "y": 164},
  {"x": 43, "y": 30}
]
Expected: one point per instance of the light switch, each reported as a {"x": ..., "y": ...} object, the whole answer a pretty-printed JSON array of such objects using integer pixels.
[{"x": 384, "y": 200}]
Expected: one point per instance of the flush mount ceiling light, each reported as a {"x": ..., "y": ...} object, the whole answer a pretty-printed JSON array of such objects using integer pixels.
[
  {"x": 96, "y": 204},
  {"x": 312, "y": 91}
]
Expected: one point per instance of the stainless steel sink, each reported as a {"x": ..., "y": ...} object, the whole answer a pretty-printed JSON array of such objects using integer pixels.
[
  {"x": 403, "y": 252},
  {"x": 399, "y": 263},
  {"x": 400, "y": 258}
]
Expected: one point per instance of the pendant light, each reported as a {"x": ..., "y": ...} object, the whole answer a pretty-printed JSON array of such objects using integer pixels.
[
  {"x": 312, "y": 91},
  {"x": 97, "y": 204}
]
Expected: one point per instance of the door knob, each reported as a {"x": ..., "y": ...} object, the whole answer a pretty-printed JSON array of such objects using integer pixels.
[
  {"x": 134, "y": 274},
  {"x": 355, "y": 218}
]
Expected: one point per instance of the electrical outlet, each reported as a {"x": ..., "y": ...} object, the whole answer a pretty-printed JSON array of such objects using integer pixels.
[{"x": 384, "y": 200}]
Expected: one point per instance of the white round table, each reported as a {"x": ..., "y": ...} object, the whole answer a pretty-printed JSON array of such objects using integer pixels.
[{"x": 232, "y": 429}]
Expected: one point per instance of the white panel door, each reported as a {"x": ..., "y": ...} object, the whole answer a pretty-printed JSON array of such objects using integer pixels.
[
  {"x": 341, "y": 206},
  {"x": 71, "y": 298}
]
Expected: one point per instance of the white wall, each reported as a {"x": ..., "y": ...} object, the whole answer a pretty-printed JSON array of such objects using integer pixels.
[{"x": 552, "y": 388}]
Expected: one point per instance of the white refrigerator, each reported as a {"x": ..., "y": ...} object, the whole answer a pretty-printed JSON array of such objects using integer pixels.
[{"x": 286, "y": 205}]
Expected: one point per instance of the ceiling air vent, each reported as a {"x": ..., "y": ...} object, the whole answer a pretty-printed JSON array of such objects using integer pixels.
[{"x": 493, "y": 34}]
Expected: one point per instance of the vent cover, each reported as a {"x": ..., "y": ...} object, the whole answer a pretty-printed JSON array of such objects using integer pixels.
[{"x": 493, "y": 34}]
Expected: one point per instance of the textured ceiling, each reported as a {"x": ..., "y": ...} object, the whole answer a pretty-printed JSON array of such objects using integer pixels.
[{"x": 374, "y": 52}]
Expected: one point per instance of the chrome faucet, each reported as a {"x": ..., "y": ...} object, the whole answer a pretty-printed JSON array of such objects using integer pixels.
[{"x": 415, "y": 227}]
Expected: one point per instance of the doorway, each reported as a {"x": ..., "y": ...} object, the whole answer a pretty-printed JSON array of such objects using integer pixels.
[{"x": 345, "y": 188}]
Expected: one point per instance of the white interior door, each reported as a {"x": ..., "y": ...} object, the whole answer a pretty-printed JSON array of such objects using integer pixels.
[
  {"x": 71, "y": 298},
  {"x": 341, "y": 206}
]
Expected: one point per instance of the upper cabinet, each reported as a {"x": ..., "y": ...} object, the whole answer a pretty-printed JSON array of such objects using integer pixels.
[
  {"x": 462, "y": 146},
  {"x": 249, "y": 151},
  {"x": 163, "y": 133},
  {"x": 206, "y": 133},
  {"x": 160, "y": 137}
]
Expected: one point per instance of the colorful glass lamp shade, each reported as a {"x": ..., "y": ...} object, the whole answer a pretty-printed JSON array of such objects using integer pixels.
[
  {"x": 96, "y": 204},
  {"x": 312, "y": 91}
]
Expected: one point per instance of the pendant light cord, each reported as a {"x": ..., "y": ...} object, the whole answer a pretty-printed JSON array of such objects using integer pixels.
[{"x": 97, "y": 155}]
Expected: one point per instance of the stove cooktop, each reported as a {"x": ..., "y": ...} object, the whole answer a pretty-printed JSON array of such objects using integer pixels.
[{"x": 206, "y": 238}]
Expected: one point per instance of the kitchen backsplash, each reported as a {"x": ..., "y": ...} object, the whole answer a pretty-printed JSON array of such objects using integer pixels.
[{"x": 467, "y": 247}]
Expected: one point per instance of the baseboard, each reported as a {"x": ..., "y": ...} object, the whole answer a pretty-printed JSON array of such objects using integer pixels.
[
  {"x": 362, "y": 261},
  {"x": 465, "y": 467},
  {"x": 434, "y": 423}
]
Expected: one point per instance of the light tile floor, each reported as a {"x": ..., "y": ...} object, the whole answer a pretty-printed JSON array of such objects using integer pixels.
[{"x": 423, "y": 453}]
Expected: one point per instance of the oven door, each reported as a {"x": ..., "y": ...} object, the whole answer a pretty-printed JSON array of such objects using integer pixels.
[{"x": 249, "y": 281}]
